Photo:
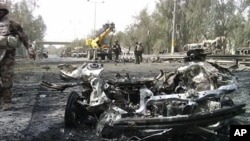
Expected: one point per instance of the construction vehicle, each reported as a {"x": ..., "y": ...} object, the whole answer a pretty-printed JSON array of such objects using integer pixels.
[{"x": 98, "y": 47}]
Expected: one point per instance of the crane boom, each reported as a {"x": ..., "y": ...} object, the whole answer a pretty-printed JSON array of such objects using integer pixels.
[
  {"x": 97, "y": 42},
  {"x": 97, "y": 45}
]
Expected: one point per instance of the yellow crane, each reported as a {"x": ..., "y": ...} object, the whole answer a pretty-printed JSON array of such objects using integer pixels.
[{"x": 98, "y": 47}]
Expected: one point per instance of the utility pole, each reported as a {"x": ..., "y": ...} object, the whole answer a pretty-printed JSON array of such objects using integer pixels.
[
  {"x": 173, "y": 31},
  {"x": 95, "y": 2}
]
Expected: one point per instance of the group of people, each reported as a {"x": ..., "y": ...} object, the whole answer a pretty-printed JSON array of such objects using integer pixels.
[
  {"x": 11, "y": 35},
  {"x": 138, "y": 51}
]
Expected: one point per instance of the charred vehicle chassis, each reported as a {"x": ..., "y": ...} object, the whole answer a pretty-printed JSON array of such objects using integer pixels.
[{"x": 193, "y": 100}]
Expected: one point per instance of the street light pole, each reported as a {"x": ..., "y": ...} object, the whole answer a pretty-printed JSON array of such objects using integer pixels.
[
  {"x": 95, "y": 2},
  {"x": 173, "y": 32},
  {"x": 95, "y": 17}
]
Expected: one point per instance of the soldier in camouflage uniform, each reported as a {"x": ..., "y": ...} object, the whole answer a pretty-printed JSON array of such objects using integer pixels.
[
  {"x": 11, "y": 37},
  {"x": 138, "y": 52}
]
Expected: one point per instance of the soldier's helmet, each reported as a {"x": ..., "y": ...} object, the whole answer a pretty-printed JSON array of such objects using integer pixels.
[{"x": 3, "y": 6}]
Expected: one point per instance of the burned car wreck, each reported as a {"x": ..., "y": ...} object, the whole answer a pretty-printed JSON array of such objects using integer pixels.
[{"x": 192, "y": 101}]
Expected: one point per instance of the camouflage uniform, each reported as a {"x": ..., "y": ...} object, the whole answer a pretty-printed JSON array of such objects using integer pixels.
[
  {"x": 9, "y": 30},
  {"x": 138, "y": 53},
  {"x": 7, "y": 75}
]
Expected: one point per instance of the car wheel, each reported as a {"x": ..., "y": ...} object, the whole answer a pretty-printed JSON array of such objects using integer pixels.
[{"x": 71, "y": 111}]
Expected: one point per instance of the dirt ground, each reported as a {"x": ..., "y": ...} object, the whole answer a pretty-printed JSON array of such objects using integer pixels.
[{"x": 38, "y": 113}]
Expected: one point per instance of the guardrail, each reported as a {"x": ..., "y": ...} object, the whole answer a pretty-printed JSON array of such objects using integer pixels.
[
  {"x": 230, "y": 57},
  {"x": 222, "y": 57}
]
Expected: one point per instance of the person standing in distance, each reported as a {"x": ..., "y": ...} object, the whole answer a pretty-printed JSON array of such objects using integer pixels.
[
  {"x": 140, "y": 50},
  {"x": 136, "y": 53},
  {"x": 117, "y": 50},
  {"x": 11, "y": 37}
]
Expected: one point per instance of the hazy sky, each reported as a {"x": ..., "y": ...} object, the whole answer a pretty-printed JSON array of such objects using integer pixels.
[{"x": 70, "y": 19}]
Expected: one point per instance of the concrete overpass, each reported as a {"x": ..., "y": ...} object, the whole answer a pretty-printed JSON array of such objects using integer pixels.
[{"x": 40, "y": 43}]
